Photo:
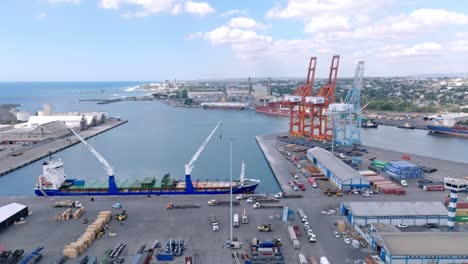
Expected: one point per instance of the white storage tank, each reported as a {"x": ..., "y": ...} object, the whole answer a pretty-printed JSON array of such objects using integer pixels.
[{"x": 22, "y": 116}]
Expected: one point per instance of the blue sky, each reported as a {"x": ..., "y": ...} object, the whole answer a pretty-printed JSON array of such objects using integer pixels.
[{"x": 98, "y": 40}]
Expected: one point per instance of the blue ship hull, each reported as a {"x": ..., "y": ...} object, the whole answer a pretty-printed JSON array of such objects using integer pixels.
[
  {"x": 237, "y": 190},
  {"x": 448, "y": 131}
]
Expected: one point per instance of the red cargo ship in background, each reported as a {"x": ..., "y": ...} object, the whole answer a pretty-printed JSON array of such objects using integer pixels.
[{"x": 273, "y": 108}]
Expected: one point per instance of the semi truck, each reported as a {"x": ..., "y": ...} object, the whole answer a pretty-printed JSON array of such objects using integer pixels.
[
  {"x": 223, "y": 203},
  {"x": 245, "y": 219},
  {"x": 293, "y": 237},
  {"x": 288, "y": 195},
  {"x": 214, "y": 223},
  {"x": 267, "y": 206},
  {"x": 67, "y": 203},
  {"x": 181, "y": 206},
  {"x": 301, "y": 214},
  {"x": 266, "y": 200}
]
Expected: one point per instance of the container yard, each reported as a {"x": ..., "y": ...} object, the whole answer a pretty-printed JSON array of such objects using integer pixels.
[{"x": 100, "y": 230}]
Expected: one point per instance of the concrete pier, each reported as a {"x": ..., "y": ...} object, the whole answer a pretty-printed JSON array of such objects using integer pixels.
[{"x": 38, "y": 151}]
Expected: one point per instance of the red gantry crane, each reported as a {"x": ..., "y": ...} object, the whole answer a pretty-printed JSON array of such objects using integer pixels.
[
  {"x": 296, "y": 102},
  {"x": 316, "y": 123}
]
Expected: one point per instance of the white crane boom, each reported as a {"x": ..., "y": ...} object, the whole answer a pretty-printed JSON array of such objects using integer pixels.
[
  {"x": 107, "y": 167},
  {"x": 189, "y": 166},
  {"x": 242, "y": 175}
]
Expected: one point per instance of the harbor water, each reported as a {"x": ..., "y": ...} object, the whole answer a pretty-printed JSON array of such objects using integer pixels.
[{"x": 159, "y": 138}]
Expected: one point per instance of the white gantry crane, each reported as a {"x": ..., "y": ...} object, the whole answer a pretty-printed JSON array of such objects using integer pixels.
[
  {"x": 106, "y": 165},
  {"x": 347, "y": 115},
  {"x": 189, "y": 166}
]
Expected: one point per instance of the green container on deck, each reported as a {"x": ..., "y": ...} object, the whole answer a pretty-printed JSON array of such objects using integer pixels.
[
  {"x": 136, "y": 184},
  {"x": 461, "y": 218},
  {"x": 147, "y": 182}
]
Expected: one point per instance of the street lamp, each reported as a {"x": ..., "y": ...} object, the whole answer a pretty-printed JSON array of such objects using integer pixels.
[{"x": 230, "y": 204}]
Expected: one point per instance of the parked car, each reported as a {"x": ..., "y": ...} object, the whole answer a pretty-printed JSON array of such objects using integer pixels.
[
  {"x": 325, "y": 212},
  {"x": 337, "y": 234},
  {"x": 314, "y": 185},
  {"x": 402, "y": 225},
  {"x": 309, "y": 232},
  {"x": 367, "y": 194},
  {"x": 432, "y": 225},
  {"x": 347, "y": 240},
  {"x": 295, "y": 188}
]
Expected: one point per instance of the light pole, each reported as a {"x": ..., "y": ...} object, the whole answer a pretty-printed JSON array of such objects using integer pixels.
[{"x": 230, "y": 203}]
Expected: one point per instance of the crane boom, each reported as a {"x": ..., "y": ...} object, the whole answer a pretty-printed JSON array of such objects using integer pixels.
[
  {"x": 242, "y": 175},
  {"x": 189, "y": 166},
  {"x": 107, "y": 167}
]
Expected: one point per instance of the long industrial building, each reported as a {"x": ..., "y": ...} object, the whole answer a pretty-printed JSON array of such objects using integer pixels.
[
  {"x": 11, "y": 213},
  {"x": 342, "y": 175},
  {"x": 45, "y": 131},
  {"x": 421, "y": 247},
  {"x": 394, "y": 213}
]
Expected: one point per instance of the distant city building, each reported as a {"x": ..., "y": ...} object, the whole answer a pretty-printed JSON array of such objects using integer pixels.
[{"x": 47, "y": 109}]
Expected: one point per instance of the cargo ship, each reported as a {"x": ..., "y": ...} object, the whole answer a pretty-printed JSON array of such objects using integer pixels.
[
  {"x": 224, "y": 106},
  {"x": 451, "y": 124},
  {"x": 54, "y": 182},
  {"x": 457, "y": 130},
  {"x": 273, "y": 108}
]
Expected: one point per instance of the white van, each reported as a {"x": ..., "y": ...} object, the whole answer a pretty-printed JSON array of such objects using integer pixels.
[{"x": 235, "y": 221}]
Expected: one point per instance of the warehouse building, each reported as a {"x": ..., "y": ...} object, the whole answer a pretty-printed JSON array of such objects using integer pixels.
[
  {"x": 421, "y": 247},
  {"x": 74, "y": 122},
  {"x": 51, "y": 130},
  {"x": 11, "y": 213},
  {"x": 394, "y": 213},
  {"x": 342, "y": 175}
]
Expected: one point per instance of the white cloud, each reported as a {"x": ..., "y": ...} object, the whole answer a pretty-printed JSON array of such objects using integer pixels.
[
  {"x": 233, "y": 12},
  {"x": 327, "y": 23},
  {"x": 41, "y": 16},
  {"x": 151, "y": 7},
  {"x": 251, "y": 46},
  {"x": 198, "y": 8},
  {"x": 307, "y": 8},
  {"x": 63, "y": 1},
  {"x": 458, "y": 46},
  {"x": 418, "y": 50},
  {"x": 462, "y": 35},
  {"x": 245, "y": 22},
  {"x": 418, "y": 21}
]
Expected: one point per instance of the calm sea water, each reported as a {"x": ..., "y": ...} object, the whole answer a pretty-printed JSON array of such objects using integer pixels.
[{"x": 160, "y": 139}]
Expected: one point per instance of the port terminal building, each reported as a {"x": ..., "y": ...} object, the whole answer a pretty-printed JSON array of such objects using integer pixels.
[
  {"x": 394, "y": 213},
  {"x": 421, "y": 247},
  {"x": 342, "y": 175}
]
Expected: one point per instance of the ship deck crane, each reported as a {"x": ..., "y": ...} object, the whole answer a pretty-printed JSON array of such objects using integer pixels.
[
  {"x": 106, "y": 165},
  {"x": 189, "y": 166}
]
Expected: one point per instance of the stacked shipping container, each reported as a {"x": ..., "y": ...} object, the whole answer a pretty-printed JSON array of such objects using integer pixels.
[{"x": 403, "y": 169}]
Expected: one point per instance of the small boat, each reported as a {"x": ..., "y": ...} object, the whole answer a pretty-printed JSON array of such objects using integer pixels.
[
  {"x": 406, "y": 126},
  {"x": 369, "y": 124}
]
